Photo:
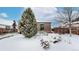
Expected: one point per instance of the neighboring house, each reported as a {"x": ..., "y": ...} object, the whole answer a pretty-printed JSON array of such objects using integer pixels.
[
  {"x": 44, "y": 26},
  {"x": 64, "y": 28},
  {"x": 75, "y": 27},
  {"x": 5, "y": 26}
]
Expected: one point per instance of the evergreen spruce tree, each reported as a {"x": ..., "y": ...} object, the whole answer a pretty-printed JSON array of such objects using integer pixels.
[{"x": 28, "y": 24}]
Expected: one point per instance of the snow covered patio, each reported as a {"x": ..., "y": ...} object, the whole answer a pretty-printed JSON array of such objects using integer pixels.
[{"x": 19, "y": 43}]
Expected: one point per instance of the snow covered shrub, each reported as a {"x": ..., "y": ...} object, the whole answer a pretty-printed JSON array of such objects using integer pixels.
[
  {"x": 44, "y": 44},
  {"x": 28, "y": 24},
  {"x": 54, "y": 38},
  {"x": 57, "y": 40}
]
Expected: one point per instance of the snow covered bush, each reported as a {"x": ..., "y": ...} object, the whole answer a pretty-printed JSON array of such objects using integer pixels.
[
  {"x": 27, "y": 24},
  {"x": 57, "y": 39},
  {"x": 54, "y": 38},
  {"x": 44, "y": 44}
]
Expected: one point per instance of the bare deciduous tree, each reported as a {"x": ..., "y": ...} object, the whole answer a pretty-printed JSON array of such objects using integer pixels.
[{"x": 66, "y": 15}]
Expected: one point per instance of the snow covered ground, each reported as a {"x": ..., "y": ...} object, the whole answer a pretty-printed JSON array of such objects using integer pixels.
[{"x": 19, "y": 43}]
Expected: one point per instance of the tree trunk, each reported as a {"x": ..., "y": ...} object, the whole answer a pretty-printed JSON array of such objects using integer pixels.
[
  {"x": 70, "y": 27},
  {"x": 70, "y": 32}
]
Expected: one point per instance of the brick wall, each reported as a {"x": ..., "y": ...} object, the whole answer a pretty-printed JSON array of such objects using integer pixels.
[{"x": 47, "y": 26}]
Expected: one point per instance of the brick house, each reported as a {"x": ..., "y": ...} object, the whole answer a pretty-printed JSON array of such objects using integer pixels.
[
  {"x": 64, "y": 28},
  {"x": 5, "y": 26},
  {"x": 75, "y": 27},
  {"x": 44, "y": 26}
]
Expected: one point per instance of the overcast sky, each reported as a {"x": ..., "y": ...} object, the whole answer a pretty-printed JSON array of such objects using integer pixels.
[{"x": 41, "y": 13}]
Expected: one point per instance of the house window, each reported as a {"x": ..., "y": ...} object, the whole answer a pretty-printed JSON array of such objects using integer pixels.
[{"x": 41, "y": 27}]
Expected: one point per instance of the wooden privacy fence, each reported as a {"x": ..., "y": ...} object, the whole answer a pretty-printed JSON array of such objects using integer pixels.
[
  {"x": 61, "y": 30},
  {"x": 3, "y": 30},
  {"x": 74, "y": 30}
]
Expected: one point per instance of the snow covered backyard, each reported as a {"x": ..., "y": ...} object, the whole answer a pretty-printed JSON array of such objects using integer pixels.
[{"x": 18, "y": 42}]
